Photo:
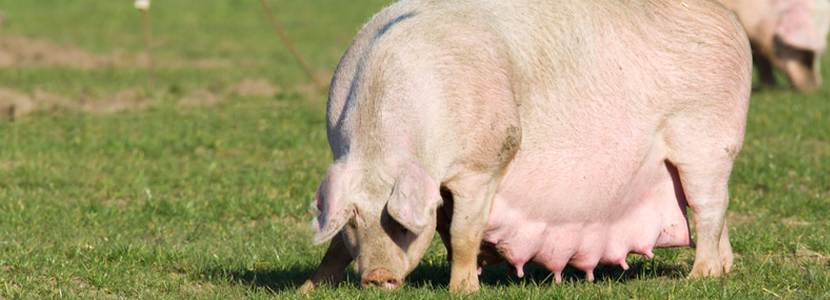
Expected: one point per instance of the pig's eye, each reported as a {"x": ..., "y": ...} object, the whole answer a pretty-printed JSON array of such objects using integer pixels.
[{"x": 398, "y": 228}]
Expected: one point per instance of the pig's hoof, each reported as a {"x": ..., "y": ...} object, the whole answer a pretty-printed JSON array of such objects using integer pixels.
[
  {"x": 727, "y": 267},
  {"x": 703, "y": 269},
  {"x": 465, "y": 286},
  {"x": 381, "y": 278},
  {"x": 307, "y": 287},
  {"x": 727, "y": 259}
]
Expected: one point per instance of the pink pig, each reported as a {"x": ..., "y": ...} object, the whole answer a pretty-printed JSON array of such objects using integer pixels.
[
  {"x": 553, "y": 132},
  {"x": 789, "y": 35}
]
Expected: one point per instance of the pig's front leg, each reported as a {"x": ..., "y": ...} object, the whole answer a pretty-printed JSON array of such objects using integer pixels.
[
  {"x": 764, "y": 69},
  {"x": 471, "y": 210},
  {"x": 335, "y": 261}
]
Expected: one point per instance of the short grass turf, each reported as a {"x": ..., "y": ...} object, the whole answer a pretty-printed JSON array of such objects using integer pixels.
[{"x": 211, "y": 202}]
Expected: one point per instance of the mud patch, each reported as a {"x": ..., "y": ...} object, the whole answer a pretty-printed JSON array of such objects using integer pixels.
[
  {"x": 21, "y": 51},
  {"x": 14, "y": 103},
  {"x": 801, "y": 258},
  {"x": 247, "y": 87},
  {"x": 125, "y": 99},
  {"x": 255, "y": 87},
  {"x": 18, "y": 51},
  {"x": 50, "y": 102},
  {"x": 810, "y": 256},
  {"x": 795, "y": 221},
  {"x": 736, "y": 218},
  {"x": 197, "y": 287},
  {"x": 200, "y": 98}
]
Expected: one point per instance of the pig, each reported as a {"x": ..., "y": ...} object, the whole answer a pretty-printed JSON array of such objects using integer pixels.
[
  {"x": 528, "y": 131},
  {"x": 788, "y": 35}
]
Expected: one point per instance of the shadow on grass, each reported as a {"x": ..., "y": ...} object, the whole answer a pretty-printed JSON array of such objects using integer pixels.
[
  {"x": 271, "y": 279},
  {"x": 438, "y": 275},
  {"x": 274, "y": 280}
]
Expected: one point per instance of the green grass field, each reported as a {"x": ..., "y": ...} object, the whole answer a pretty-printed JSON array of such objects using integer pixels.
[{"x": 157, "y": 198}]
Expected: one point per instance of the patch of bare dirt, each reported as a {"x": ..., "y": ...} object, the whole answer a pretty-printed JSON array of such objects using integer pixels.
[
  {"x": 255, "y": 87},
  {"x": 736, "y": 218},
  {"x": 125, "y": 99},
  {"x": 14, "y": 103},
  {"x": 801, "y": 257},
  {"x": 795, "y": 221},
  {"x": 19, "y": 51},
  {"x": 247, "y": 87},
  {"x": 810, "y": 256},
  {"x": 50, "y": 102},
  {"x": 200, "y": 98},
  {"x": 205, "y": 63},
  {"x": 197, "y": 287}
]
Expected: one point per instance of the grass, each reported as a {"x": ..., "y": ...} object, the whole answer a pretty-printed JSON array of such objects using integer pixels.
[{"x": 211, "y": 202}]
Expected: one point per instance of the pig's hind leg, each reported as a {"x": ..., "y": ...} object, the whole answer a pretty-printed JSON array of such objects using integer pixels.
[
  {"x": 707, "y": 195},
  {"x": 703, "y": 157}
]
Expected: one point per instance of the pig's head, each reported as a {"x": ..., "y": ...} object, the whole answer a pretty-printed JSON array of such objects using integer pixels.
[
  {"x": 386, "y": 227},
  {"x": 800, "y": 41}
]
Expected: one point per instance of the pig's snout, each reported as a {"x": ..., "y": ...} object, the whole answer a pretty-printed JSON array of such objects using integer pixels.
[{"x": 381, "y": 278}]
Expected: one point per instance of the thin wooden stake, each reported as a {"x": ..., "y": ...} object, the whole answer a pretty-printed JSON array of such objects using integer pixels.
[
  {"x": 147, "y": 44},
  {"x": 290, "y": 46}
]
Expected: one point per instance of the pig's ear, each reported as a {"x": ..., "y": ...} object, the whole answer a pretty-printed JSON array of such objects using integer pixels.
[
  {"x": 333, "y": 204},
  {"x": 414, "y": 196},
  {"x": 797, "y": 28}
]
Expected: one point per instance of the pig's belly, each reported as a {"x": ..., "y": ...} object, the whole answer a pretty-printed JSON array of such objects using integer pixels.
[{"x": 583, "y": 209}]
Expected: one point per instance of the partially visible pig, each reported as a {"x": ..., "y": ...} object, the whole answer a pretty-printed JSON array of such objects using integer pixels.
[
  {"x": 790, "y": 35},
  {"x": 553, "y": 132}
]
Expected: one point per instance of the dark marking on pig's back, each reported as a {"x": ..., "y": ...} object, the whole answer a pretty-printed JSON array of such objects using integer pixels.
[
  {"x": 510, "y": 144},
  {"x": 391, "y": 23}
]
